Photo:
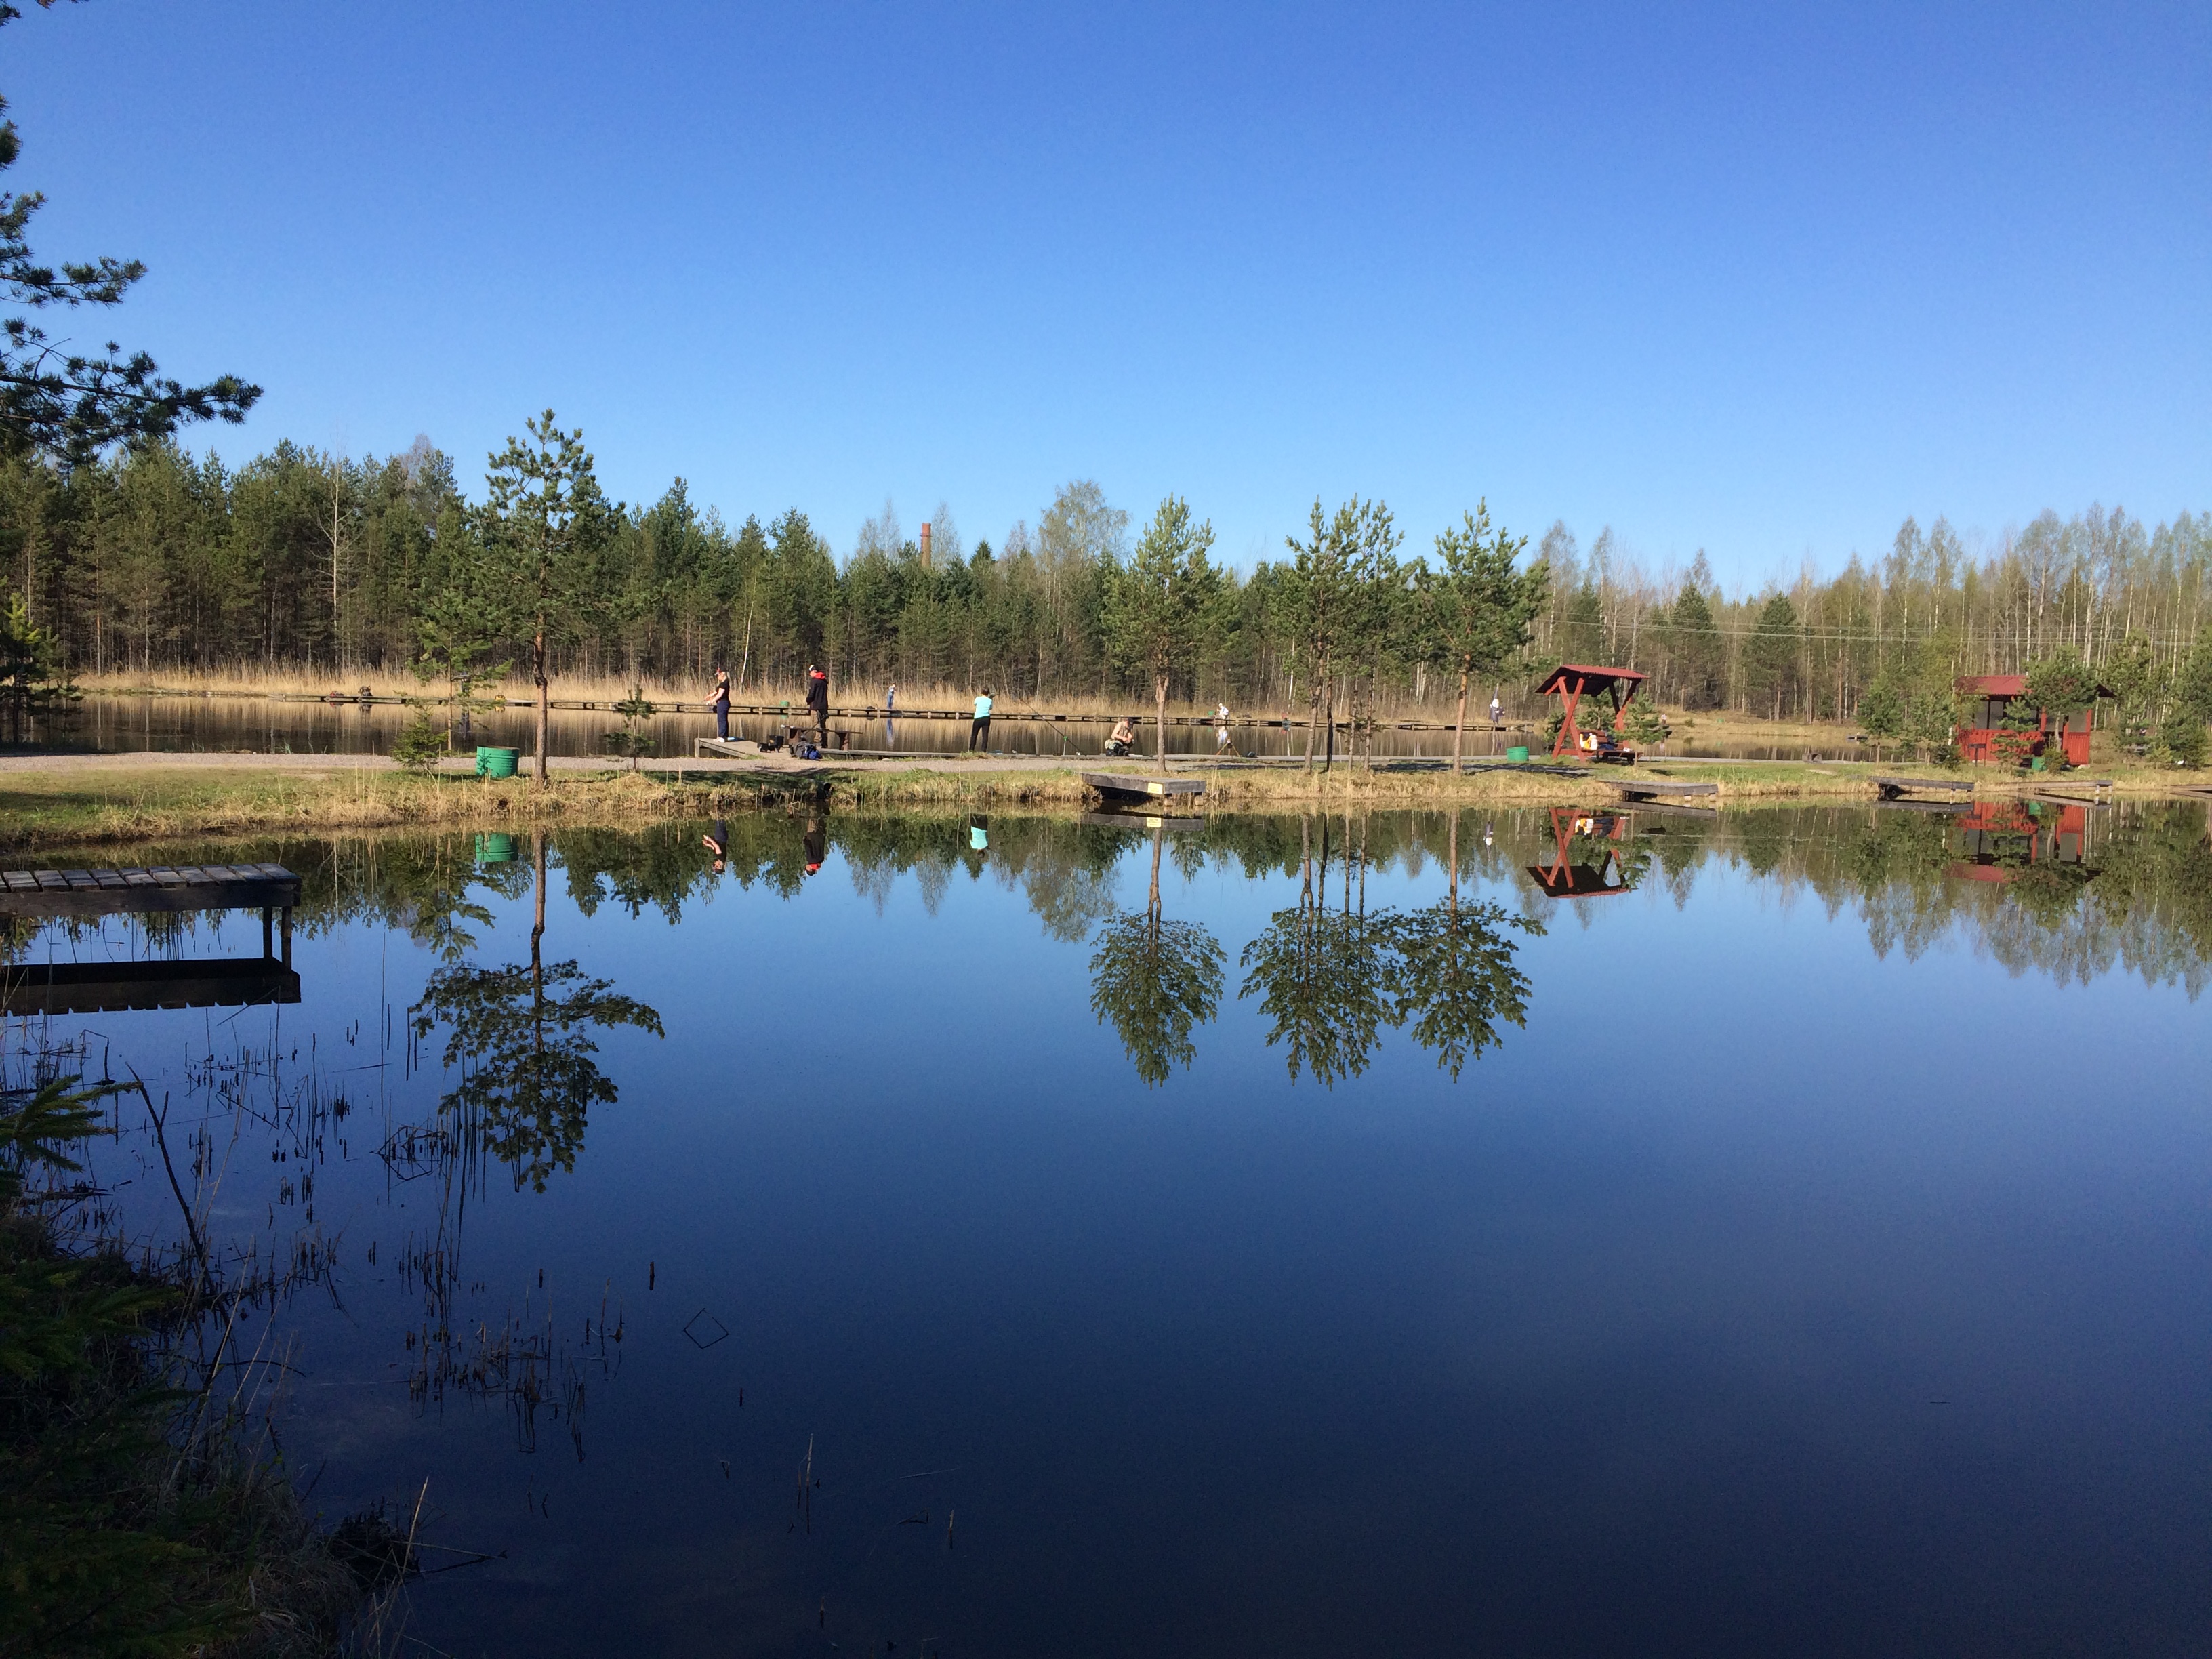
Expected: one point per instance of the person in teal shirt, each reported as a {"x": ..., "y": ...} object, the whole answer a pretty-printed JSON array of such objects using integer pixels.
[{"x": 979, "y": 733}]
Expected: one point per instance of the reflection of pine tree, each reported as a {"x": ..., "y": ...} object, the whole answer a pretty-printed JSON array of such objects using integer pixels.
[
  {"x": 1331, "y": 982},
  {"x": 520, "y": 1035},
  {"x": 1324, "y": 984},
  {"x": 1455, "y": 978},
  {"x": 1321, "y": 980},
  {"x": 1155, "y": 979}
]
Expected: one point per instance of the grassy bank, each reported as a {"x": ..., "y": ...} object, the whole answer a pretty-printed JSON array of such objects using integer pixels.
[{"x": 119, "y": 805}]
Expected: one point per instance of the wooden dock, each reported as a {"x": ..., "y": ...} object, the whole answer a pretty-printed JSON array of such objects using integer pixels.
[
  {"x": 1124, "y": 786},
  {"x": 1139, "y": 821},
  {"x": 1891, "y": 788},
  {"x": 2100, "y": 791},
  {"x": 94, "y": 987},
  {"x": 1650, "y": 789},
  {"x": 162, "y": 888}
]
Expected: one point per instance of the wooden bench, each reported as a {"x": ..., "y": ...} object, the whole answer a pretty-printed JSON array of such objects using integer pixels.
[{"x": 1891, "y": 788}]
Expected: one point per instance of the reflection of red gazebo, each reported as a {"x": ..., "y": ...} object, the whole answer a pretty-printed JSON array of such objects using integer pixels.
[
  {"x": 1990, "y": 830},
  {"x": 1992, "y": 696},
  {"x": 1572, "y": 681},
  {"x": 1563, "y": 877}
]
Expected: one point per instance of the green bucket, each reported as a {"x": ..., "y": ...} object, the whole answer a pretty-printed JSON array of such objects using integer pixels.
[
  {"x": 2036, "y": 765},
  {"x": 497, "y": 762},
  {"x": 494, "y": 849},
  {"x": 1519, "y": 751}
]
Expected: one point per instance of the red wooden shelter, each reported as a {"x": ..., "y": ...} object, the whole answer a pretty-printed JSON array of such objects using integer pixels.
[
  {"x": 1986, "y": 737},
  {"x": 1572, "y": 681}
]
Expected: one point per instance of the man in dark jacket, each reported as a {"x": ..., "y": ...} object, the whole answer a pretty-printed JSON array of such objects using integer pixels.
[{"x": 818, "y": 699}]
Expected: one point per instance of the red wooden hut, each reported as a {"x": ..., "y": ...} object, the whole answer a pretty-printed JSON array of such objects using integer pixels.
[
  {"x": 1986, "y": 736},
  {"x": 1572, "y": 681}
]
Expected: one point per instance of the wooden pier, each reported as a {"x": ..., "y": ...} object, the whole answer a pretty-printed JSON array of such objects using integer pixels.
[
  {"x": 1139, "y": 821},
  {"x": 160, "y": 887},
  {"x": 1647, "y": 790},
  {"x": 1891, "y": 788},
  {"x": 93, "y": 986},
  {"x": 2100, "y": 791},
  {"x": 1125, "y": 785}
]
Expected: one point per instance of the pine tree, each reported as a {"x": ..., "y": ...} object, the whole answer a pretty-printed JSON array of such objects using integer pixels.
[{"x": 1161, "y": 606}]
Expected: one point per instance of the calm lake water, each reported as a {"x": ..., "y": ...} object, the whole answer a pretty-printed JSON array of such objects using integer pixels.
[
  {"x": 190, "y": 725},
  {"x": 910, "y": 1234}
]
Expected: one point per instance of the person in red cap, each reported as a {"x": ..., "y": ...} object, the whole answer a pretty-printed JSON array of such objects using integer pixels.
[{"x": 818, "y": 699}]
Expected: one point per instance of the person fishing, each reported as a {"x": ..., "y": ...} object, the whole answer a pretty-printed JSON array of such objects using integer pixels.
[
  {"x": 1123, "y": 735},
  {"x": 979, "y": 730},
  {"x": 720, "y": 702},
  {"x": 1223, "y": 747},
  {"x": 818, "y": 699},
  {"x": 1496, "y": 709}
]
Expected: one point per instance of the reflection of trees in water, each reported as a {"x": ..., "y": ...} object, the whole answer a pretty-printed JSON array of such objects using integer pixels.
[
  {"x": 521, "y": 1036},
  {"x": 1329, "y": 982},
  {"x": 1155, "y": 979},
  {"x": 2148, "y": 908}
]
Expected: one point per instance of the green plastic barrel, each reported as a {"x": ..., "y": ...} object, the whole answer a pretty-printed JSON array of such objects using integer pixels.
[
  {"x": 1519, "y": 751},
  {"x": 497, "y": 762},
  {"x": 494, "y": 848},
  {"x": 2036, "y": 765}
]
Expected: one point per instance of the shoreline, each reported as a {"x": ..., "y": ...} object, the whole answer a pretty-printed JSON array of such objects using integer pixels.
[{"x": 115, "y": 800}]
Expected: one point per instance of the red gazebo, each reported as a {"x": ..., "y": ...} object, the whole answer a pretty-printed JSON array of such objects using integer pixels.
[{"x": 1572, "y": 681}]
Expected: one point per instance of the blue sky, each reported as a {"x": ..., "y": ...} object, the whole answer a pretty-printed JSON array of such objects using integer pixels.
[{"x": 1759, "y": 280}]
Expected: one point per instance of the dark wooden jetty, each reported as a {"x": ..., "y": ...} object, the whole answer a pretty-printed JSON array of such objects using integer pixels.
[
  {"x": 1116, "y": 786},
  {"x": 1647, "y": 789},
  {"x": 2064, "y": 791},
  {"x": 93, "y": 988},
  {"x": 90, "y": 987},
  {"x": 1891, "y": 788}
]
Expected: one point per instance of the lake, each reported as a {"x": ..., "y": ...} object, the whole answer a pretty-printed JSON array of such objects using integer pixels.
[
  {"x": 134, "y": 725},
  {"x": 1525, "y": 1232}
]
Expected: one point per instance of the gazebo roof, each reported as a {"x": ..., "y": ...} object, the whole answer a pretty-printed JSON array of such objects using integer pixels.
[{"x": 1592, "y": 679}]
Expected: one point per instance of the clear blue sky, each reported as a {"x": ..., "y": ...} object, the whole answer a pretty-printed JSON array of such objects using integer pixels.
[{"x": 1762, "y": 280}]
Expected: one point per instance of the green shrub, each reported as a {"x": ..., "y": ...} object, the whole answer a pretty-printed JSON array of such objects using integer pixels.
[
  {"x": 421, "y": 744},
  {"x": 2181, "y": 737}
]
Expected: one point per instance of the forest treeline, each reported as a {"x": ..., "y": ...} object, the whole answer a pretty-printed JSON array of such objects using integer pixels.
[{"x": 153, "y": 560}]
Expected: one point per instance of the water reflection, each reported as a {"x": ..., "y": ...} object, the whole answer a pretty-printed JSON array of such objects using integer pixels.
[
  {"x": 1155, "y": 979},
  {"x": 520, "y": 1038},
  {"x": 1331, "y": 981},
  {"x": 1455, "y": 978}
]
